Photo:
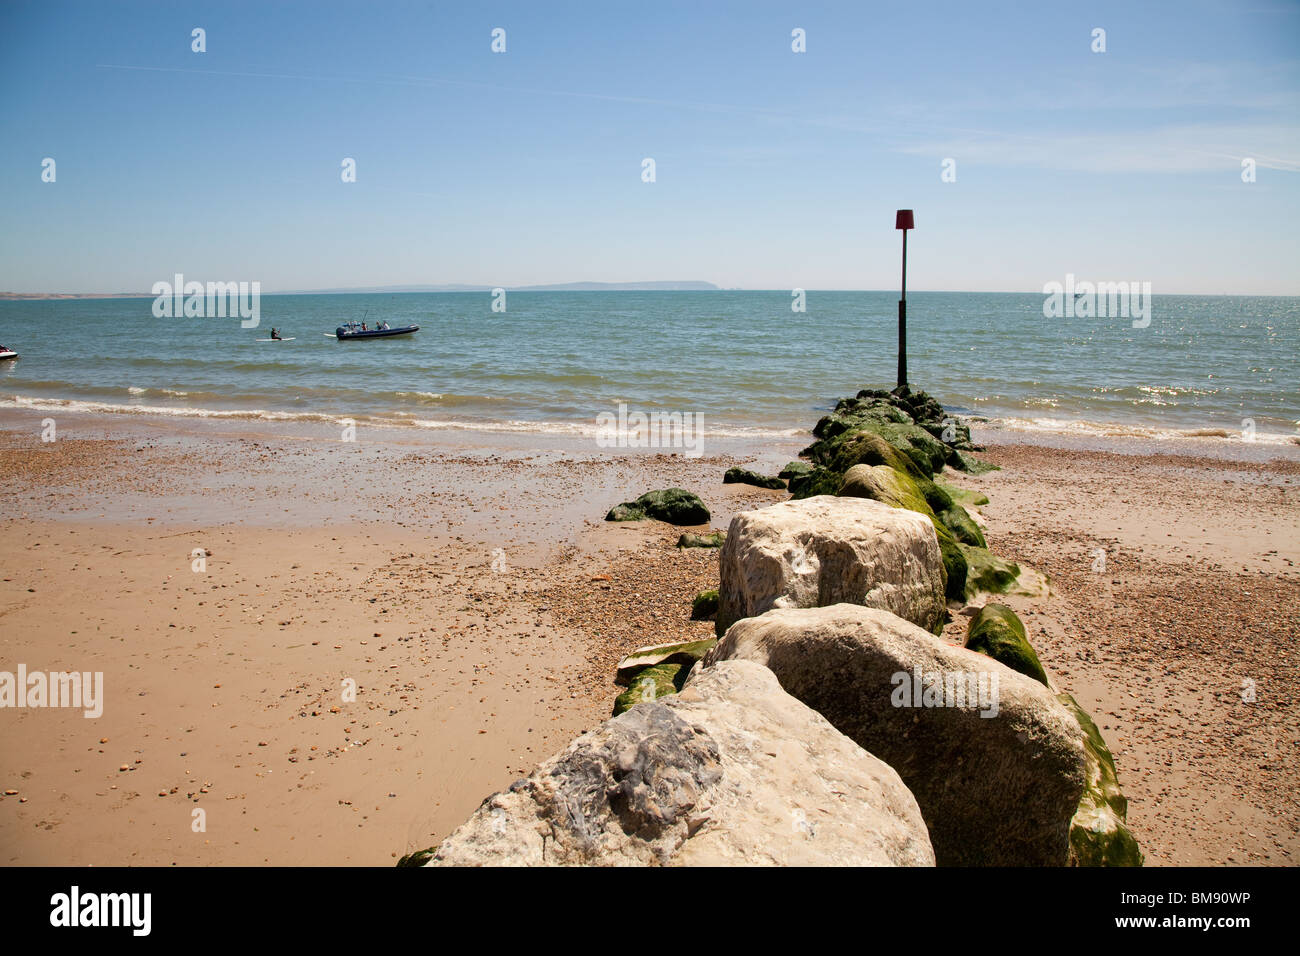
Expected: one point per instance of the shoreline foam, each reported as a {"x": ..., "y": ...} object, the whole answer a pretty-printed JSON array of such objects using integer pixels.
[{"x": 1049, "y": 431}]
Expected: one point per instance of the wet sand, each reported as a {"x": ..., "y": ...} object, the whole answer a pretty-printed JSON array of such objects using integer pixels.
[
  {"x": 445, "y": 588},
  {"x": 469, "y": 587}
]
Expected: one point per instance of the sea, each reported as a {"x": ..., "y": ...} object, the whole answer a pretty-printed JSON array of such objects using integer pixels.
[{"x": 744, "y": 362}]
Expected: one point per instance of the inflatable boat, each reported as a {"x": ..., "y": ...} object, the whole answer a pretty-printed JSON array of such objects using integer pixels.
[{"x": 354, "y": 331}]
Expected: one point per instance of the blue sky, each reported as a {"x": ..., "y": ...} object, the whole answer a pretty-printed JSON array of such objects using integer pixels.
[{"x": 774, "y": 169}]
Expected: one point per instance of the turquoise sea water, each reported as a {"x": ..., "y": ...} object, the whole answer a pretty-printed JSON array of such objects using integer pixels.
[{"x": 743, "y": 361}]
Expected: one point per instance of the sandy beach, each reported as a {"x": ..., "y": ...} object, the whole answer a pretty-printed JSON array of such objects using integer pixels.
[
  {"x": 224, "y": 686},
  {"x": 1199, "y": 591},
  {"x": 469, "y": 587}
]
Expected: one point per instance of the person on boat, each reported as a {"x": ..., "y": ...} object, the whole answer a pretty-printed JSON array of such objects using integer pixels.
[
  {"x": 363, "y": 327},
  {"x": 385, "y": 325}
]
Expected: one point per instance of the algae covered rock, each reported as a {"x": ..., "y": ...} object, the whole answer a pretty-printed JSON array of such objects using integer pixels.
[
  {"x": 925, "y": 453},
  {"x": 963, "y": 527},
  {"x": 704, "y": 606},
  {"x": 997, "y": 632},
  {"x": 744, "y": 476},
  {"x": 680, "y": 652},
  {"x": 712, "y": 539},
  {"x": 954, "y": 567},
  {"x": 650, "y": 683},
  {"x": 988, "y": 573},
  {"x": 929, "y": 454},
  {"x": 953, "y": 433},
  {"x": 892, "y": 425},
  {"x": 1099, "y": 835},
  {"x": 673, "y": 505},
  {"x": 913, "y": 424},
  {"x": 972, "y": 465},
  {"x": 923, "y": 409},
  {"x": 794, "y": 468},
  {"x": 864, "y": 447},
  {"x": 886, "y": 484},
  {"x": 657, "y": 671},
  {"x": 825, "y": 550},
  {"x": 814, "y": 482},
  {"x": 867, "y": 448},
  {"x": 964, "y": 496},
  {"x": 627, "y": 511},
  {"x": 417, "y": 858},
  {"x": 690, "y": 780}
]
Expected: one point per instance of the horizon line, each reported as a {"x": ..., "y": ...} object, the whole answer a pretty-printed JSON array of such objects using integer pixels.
[{"x": 8, "y": 296}]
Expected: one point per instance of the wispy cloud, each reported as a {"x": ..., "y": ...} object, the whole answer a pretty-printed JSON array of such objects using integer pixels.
[
  {"x": 1133, "y": 142},
  {"x": 1171, "y": 149}
]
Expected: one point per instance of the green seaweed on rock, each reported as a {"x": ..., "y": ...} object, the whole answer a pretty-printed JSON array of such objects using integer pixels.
[
  {"x": 417, "y": 858},
  {"x": 673, "y": 505},
  {"x": 997, "y": 632},
  {"x": 744, "y": 476},
  {"x": 962, "y": 525},
  {"x": 660, "y": 680},
  {"x": 712, "y": 539},
  {"x": 972, "y": 465},
  {"x": 818, "y": 481},
  {"x": 964, "y": 496},
  {"x": 627, "y": 511},
  {"x": 1099, "y": 833},
  {"x": 704, "y": 606},
  {"x": 987, "y": 572}
]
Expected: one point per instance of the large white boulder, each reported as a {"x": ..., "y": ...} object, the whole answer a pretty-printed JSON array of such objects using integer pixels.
[
  {"x": 995, "y": 760},
  {"x": 827, "y": 550},
  {"x": 731, "y": 771}
]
